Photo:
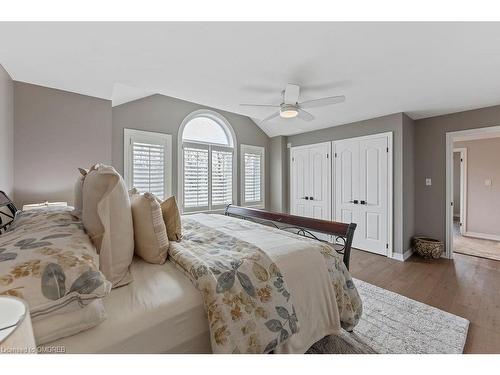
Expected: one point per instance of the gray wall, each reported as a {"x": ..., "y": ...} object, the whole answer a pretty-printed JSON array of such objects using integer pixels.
[
  {"x": 164, "y": 114},
  {"x": 279, "y": 174},
  {"x": 54, "y": 133},
  {"x": 483, "y": 202},
  {"x": 6, "y": 133},
  {"x": 430, "y": 161},
  {"x": 392, "y": 123}
]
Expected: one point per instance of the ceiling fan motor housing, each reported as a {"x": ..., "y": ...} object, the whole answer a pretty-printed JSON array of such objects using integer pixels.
[{"x": 288, "y": 111}]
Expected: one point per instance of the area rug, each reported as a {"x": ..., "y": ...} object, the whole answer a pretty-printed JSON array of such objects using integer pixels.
[{"x": 394, "y": 324}]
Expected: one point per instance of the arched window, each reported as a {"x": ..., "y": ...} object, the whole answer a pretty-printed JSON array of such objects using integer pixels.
[{"x": 207, "y": 162}]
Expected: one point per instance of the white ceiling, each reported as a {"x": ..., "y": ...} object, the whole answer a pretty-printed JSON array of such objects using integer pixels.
[{"x": 423, "y": 69}]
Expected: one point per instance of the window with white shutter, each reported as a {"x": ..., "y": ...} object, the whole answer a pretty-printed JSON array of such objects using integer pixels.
[
  {"x": 207, "y": 161},
  {"x": 148, "y": 162},
  {"x": 252, "y": 175},
  {"x": 222, "y": 177},
  {"x": 195, "y": 171}
]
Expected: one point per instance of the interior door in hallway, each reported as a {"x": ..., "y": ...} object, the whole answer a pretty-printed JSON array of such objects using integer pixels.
[
  {"x": 310, "y": 181},
  {"x": 361, "y": 189}
]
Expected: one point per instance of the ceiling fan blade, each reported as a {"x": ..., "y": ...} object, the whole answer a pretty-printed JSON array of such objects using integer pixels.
[
  {"x": 292, "y": 93},
  {"x": 260, "y": 105},
  {"x": 274, "y": 115},
  {"x": 322, "y": 102},
  {"x": 303, "y": 115}
]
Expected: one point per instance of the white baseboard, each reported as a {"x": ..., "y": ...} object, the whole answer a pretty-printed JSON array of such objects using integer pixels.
[
  {"x": 402, "y": 257},
  {"x": 483, "y": 236}
]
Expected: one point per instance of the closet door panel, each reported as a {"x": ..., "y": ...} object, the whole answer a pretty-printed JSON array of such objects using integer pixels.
[
  {"x": 347, "y": 182},
  {"x": 373, "y": 194},
  {"x": 320, "y": 181},
  {"x": 299, "y": 179}
]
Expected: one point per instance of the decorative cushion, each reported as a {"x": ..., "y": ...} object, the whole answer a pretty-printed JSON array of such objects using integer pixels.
[
  {"x": 107, "y": 218},
  {"x": 48, "y": 260},
  {"x": 77, "y": 205},
  {"x": 172, "y": 219},
  {"x": 150, "y": 233}
]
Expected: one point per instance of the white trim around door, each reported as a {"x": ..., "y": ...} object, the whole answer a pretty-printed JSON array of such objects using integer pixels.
[{"x": 390, "y": 197}]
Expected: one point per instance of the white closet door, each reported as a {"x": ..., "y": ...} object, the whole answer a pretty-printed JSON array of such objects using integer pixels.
[
  {"x": 320, "y": 181},
  {"x": 310, "y": 181},
  {"x": 346, "y": 181},
  {"x": 373, "y": 195},
  {"x": 361, "y": 190},
  {"x": 299, "y": 179}
]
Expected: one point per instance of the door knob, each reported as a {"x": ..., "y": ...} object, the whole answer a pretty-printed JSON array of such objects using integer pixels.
[
  {"x": 306, "y": 198},
  {"x": 363, "y": 202},
  {"x": 311, "y": 198},
  {"x": 354, "y": 201}
]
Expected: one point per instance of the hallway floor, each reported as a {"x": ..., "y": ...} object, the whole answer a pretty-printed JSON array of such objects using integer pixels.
[{"x": 474, "y": 246}]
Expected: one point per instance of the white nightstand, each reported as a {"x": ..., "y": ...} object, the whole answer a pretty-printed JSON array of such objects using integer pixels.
[
  {"x": 16, "y": 332},
  {"x": 37, "y": 206}
]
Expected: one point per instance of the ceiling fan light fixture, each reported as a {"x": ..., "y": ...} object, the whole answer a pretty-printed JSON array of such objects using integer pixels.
[{"x": 288, "y": 112}]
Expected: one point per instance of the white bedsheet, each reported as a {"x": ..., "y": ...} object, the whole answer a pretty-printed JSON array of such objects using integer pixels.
[{"x": 159, "y": 312}]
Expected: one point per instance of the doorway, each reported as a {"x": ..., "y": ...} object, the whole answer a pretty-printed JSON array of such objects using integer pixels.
[{"x": 473, "y": 192}]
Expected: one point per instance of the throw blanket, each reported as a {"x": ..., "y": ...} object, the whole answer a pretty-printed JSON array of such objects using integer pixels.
[{"x": 247, "y": 301}]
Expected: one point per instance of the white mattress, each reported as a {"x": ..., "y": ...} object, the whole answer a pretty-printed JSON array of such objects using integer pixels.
[{"x": 159, "y": 312}]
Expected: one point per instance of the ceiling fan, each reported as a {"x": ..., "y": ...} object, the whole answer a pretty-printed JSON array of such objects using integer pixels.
[{"x": 290, "y": 106}]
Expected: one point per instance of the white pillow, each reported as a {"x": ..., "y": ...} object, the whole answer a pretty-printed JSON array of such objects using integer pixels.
[{"x": 107, "y": 218}]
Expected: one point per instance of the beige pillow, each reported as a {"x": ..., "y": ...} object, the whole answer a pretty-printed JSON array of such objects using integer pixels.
[
  {"x": 107, "y": 218},
  {"x": 77, "y": 211},
  {"x": 150, "y": 233},
  {"x": 172, "y": 219},
  {"x": 78, "y": 203}
]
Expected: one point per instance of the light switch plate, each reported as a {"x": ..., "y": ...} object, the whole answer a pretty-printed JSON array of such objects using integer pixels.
[
  {"x": 487, "y": 182},
  {"x": 428, "y": 182}
]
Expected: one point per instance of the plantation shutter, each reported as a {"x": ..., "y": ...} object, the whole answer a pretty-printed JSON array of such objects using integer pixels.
[
  {"x": 148, "y": 168},
  {"x": 195, "y": 177},
  {"x": 252, "y": 178},
  {"x": 147, "y": 160},
  {"x": 253, "y": 175},
  {"x": 222, "y": 177}
]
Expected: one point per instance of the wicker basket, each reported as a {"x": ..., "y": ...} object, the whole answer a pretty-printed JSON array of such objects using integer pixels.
[{"x": 428, "y": 248}]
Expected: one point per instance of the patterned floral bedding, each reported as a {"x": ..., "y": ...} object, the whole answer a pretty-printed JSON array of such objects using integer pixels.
[
  {"x": 249, "y": 305},
  {"x": 245, "y": 296},
  {"x": 47, "y": 259}
]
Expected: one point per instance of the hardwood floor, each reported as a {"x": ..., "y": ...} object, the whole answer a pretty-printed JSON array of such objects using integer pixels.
[{"x": 466, "y": 286}]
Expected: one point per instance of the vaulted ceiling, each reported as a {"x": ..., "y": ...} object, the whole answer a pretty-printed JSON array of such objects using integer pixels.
[{"x": 423, "y": 69}]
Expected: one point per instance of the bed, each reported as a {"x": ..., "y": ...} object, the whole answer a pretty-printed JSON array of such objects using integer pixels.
[{"x": 163, "y": 312}]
